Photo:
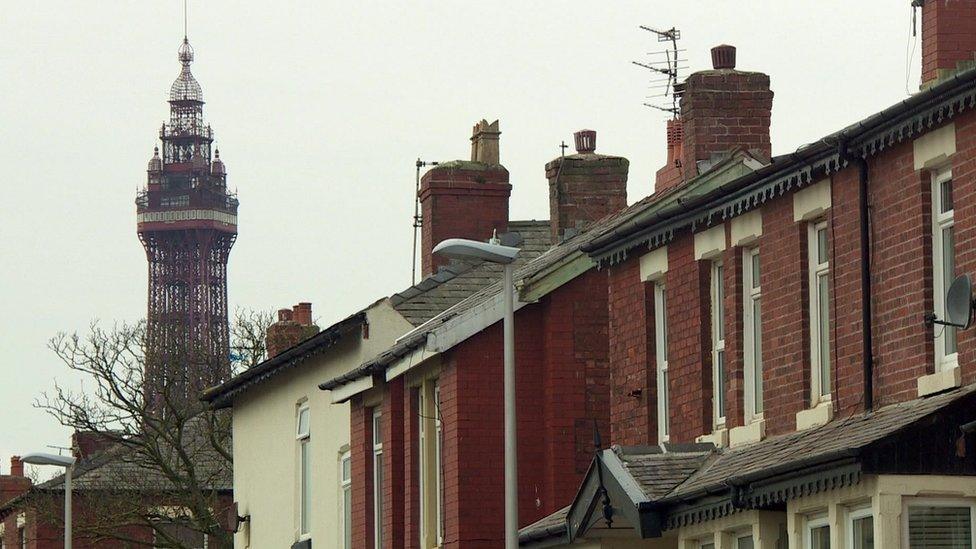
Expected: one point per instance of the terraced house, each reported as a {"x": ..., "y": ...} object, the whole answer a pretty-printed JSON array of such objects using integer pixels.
[{"x": 776, "y": 380}]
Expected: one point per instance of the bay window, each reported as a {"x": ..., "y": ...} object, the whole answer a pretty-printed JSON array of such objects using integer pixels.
[
  {"x": 860, "y": 529},
  {"x": 940, "y": 523},
  {"x": 817, "y": 533}
]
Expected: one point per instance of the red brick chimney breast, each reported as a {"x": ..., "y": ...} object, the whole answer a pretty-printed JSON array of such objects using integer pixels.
[
  {"x": 464, "y": 198},
  {"x": 293, "y": 326},
  {"x": 16, "y": 466},
  {"x": 948, "y": 35},
  {"x": 584, "y": 187},
  {"x": 721, "y": 110}
]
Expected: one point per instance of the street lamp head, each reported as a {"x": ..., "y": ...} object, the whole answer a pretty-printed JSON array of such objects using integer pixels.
[
  {"x": 460, "y": 248},
  {"x": 40, "y": 458}
]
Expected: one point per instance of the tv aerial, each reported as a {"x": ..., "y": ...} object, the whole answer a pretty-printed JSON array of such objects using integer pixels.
[
  {"x": 664, "y": 65},
  {"x": 959, "y": 305}
]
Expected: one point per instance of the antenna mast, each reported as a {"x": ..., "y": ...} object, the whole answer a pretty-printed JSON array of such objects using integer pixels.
[
  {"x": 664, "y": 69},
  {"x": 418, "y": 220}
]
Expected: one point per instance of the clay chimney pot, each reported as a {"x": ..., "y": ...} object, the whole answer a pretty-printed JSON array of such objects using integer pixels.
[{"x": 723, "y": 57}]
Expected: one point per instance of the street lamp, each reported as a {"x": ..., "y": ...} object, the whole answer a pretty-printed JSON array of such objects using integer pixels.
[
  {"x": 494, "y": 252},
  {"x": 68, "y": 462}
]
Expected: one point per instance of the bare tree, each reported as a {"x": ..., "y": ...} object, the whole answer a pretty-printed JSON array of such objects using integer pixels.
[{"x": 164, "y": 472}]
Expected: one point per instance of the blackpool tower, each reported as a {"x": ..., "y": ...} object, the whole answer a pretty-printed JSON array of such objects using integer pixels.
[{"x": 187, "y": 222}]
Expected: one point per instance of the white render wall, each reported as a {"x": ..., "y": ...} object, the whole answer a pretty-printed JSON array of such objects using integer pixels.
[{"x": 266, "y": 455}]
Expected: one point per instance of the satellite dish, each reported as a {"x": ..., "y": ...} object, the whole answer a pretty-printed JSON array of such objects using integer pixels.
[{"x": 959, "y": 302}]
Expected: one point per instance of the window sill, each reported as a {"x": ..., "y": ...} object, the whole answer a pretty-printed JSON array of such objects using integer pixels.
[
  {"x": 754, "y": 432},
  {"x": 719, "y": 437},
  {"x": 938, "y": 382},
  {"x": 821, "y": 414}
]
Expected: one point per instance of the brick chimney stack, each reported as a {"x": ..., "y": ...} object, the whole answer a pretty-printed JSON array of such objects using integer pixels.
[
  {"x": 15, "y": 483},
  {"x": 584, "y": 187},
  {"x": 293, "y": 326},
  {"x": 948, "y": 37},
  {"x": 16, "y": 466},
  {"x": 464, "y": 198},
  {"x": 85, "y": 444},
  {"x": 721, "y": 110}
]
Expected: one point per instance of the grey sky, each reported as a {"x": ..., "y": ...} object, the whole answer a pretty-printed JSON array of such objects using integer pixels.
[{"x": 320, "y": 110}]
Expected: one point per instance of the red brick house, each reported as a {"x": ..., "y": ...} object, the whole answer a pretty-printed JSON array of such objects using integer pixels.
[
  {"x": 427, "y": 425},
  {"x": 774, "y": 379}
]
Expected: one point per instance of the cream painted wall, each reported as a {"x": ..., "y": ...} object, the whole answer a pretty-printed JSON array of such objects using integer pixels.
[{"x": 266, "y": 457}]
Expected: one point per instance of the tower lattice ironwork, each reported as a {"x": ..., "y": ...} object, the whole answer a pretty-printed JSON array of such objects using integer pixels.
[{"x": 187, "y": 222}]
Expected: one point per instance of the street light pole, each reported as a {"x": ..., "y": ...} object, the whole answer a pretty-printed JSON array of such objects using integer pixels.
[
  {"x": 494, "y": 252},
  {"x": 68, "y": 472},
  {"x": 68, "y": 462},
  {"x": 511, "y": 455}
]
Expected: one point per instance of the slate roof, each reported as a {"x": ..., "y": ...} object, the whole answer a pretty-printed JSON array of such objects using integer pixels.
[
  {"x": 821, "y": 444},
  {"x": 527, "y": 267},
  {"x": 119, "y": 469},
  {"x": 658, "y": 471},
  {"x": 454, "y": 282},
  {"x": 547, "y": 527},
  {"x": 671, "y": 478}
]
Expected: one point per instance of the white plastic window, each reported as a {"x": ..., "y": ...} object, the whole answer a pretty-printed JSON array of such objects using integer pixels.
[
  {"x": 817, "y": 533},
  {"x": 941, "y": 523},
  {"x": 943, "y": 265},
  {"x": 718, "y": 343},
  {"x": 752, "y": 336},
  {"x": 819, "y": 265},
  {"x": 345, "y": 489},
  {"x": 860, "y": 529},
  {"x": 661, "y": 360},
  {"x": 378, "y": 479},
  {"x": 304, "y": 469}
]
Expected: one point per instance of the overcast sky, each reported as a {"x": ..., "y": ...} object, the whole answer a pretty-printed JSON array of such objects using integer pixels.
[{"x": 320, "y": 109}]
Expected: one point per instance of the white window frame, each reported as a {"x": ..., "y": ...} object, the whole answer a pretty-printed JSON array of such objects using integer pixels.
[
  {"x": 908, "y": 503},
  {"x": 854, "y": 515},
  {"x": 818, "y": 269},
  {"x": 378, "y": 478},
  {"x": 719, "y": 377},
  {"x": 661, "y": 361},
  {"x": 751, "y": 335},
  {"x": 345, "y": 487},
  {"x": 431, "y": 465},
  {"x": 303, "y": 437},
  {"x": 944, "y": 359},
  {"x": 812, "y": 523}
]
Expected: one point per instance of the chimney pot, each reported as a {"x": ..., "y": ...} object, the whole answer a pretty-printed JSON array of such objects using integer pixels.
[
  {"x": 585, "y": 141},
  {"x": 284, "y": 315},
  {"x": 16, "y": 466},
  {"x": 723, "y": 57}
]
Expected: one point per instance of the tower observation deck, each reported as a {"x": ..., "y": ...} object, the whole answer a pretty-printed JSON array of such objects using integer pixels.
[{"x": 187, "y": 223}]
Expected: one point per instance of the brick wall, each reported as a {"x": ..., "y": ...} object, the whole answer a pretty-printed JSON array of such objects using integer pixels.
[
  {"x": 964, "y": 193},
  {"x": 361, "y": 454},
  {"x": 689, "y": 341},
  {"x": 633, "y": 386},
  {"x": 411, "y": 467},
  {"x": 394, "y": 481}
]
